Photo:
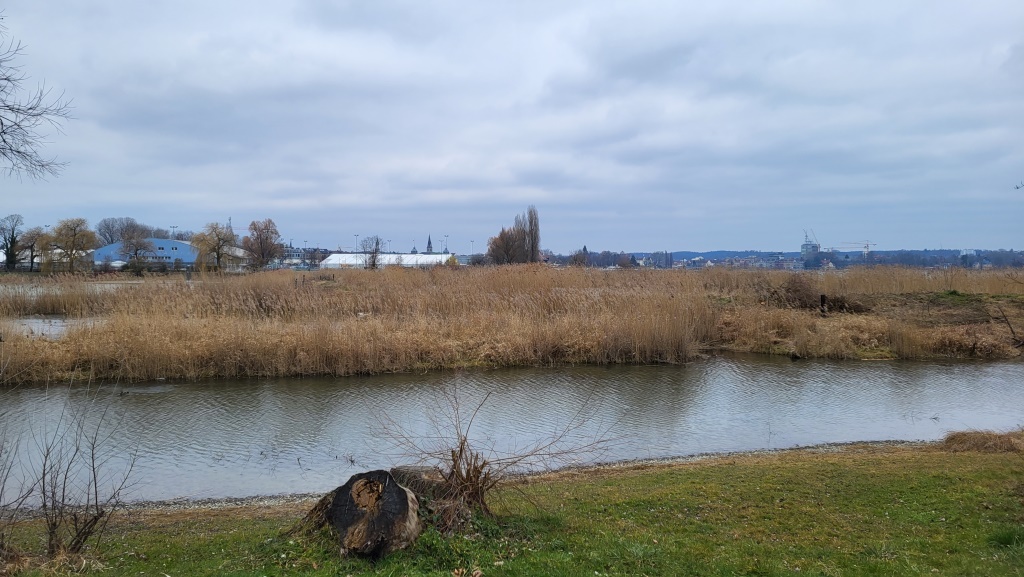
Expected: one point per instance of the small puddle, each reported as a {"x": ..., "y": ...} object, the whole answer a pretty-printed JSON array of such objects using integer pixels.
[{"x": 47, "y": 327}]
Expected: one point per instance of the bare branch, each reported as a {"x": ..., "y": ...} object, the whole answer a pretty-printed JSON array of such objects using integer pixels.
[
  {"x": 472, "y": 467},
  {"x": 24, "y": 116}
]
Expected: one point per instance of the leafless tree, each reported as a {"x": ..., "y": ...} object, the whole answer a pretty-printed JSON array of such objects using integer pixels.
[
  {"x": 508, "y": 247},
  {"x": 370, "y": 247},
  {"x": 23, "y": 116},
  {"x": 263, "y": 243},
  {"x": 135, "y": 246},
  {"x": 532, "y": 234},
  {"x": 579, "y": 258},
  {"x": 74, "y": 239},
  {"x": 30, "y": 243},
  {"x": 518, "y": 244},
  {"x": 213, "y": 243},
  {"x": 114, "y": 229},
  {"x": 10, "y": 239}
]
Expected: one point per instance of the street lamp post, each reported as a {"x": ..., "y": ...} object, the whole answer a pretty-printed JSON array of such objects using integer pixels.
[
  {"x": 389, "y": 245},
  {"x": 355, "y": 246},
  {"x": 472, "y": 250},
  {"x": 446, "y": 244},
  {"x": 305, "y": 256},
  {"x": 174, "y": 234}
]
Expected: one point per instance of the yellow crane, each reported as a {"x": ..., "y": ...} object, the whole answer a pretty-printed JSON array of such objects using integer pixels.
[{"x": 863, "y": 245}]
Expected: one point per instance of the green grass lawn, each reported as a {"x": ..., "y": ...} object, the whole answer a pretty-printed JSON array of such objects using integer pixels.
[{"x": 865, "y": 510}]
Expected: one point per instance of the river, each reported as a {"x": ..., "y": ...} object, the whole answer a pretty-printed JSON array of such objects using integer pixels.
[{"x": 262, "y": 437}]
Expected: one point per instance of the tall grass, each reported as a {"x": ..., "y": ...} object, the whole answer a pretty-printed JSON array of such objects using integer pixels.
[{"x": 354, "y": 322}]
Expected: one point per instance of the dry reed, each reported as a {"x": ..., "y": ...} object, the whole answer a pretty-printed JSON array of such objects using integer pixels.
[
  {"x": 985, "y": 441},
  {"x": 394, "y": 319}
]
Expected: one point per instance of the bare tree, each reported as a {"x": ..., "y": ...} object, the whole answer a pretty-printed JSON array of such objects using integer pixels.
[
  {"x": 518, "y": 244},
  {"x": 74, "y": 239},
  {"x": 213, "y": 243},
  {"x": 135, "y": 246},
  {"x": 23, "y": 115},
  {"x": 263, "y": 243},
  {"x": 508, "y": 247},
  {"x": 370, "y": 247},
  {"x": 10, "y": 237},
  {"x": 114, "y": 229},
  {"x": 579, "y": 258},
  {"x": 30, "y": 241},
  {"x": 532, "y": 234}
]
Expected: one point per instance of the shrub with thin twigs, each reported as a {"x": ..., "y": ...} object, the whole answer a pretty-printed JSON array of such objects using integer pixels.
[
  {"x": 78, "y": 478},
  {"x": 13, "y": 495},
  {"x": 469, "y": 472}
]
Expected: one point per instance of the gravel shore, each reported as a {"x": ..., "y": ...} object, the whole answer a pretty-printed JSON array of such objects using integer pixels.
[{"x": 269, "y": 501}]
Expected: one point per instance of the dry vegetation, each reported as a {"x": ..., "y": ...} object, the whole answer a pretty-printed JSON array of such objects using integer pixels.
[
  {"x": 357, "y": 322},
  {"x": 985, "y": 441}
]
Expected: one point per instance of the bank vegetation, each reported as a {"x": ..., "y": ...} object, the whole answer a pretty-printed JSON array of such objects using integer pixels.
[{"x": 350, "y": 322}]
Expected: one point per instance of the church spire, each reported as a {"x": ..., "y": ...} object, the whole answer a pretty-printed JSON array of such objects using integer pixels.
[{"x": 430, "y": 245}]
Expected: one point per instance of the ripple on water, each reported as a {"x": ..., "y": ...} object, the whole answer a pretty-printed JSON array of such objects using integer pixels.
[{"x": 225, "y": 438}]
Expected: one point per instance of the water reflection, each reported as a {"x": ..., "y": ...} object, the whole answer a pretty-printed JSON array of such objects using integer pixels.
[{"x": 222, "y": 439}]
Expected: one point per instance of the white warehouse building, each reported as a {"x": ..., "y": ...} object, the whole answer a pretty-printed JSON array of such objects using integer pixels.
[{"x": 358, "y": 260}]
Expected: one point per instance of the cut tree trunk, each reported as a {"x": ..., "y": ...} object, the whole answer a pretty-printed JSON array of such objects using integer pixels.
[{"x": 373, "y": 515}]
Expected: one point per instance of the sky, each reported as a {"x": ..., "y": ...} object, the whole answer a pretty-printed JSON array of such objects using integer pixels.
[{"x": 631, "y": 126}]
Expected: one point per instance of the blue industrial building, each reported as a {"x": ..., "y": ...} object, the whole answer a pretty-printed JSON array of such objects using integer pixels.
[{"x": 173, "y": 253}]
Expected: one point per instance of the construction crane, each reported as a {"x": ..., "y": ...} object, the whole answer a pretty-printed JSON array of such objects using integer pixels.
[{"x": 864, "y": 246}]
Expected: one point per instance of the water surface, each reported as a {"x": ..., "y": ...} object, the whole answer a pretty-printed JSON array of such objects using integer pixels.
[{"x": 241, "y": 438}]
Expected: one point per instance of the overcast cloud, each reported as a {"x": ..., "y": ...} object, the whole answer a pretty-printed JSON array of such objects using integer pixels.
[{"x": 630, "y": 125}]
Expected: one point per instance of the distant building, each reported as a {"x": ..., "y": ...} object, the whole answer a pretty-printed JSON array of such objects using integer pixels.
[
  {"x": 809, "y": 249},
  {"x": 358, "y": 260},
  {"x": 165, "y": 251}
]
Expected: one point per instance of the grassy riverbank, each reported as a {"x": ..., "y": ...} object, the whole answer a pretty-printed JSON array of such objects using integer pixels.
[
  {"x": 359, "y": 322},
  {"x": 854, "y": 510}
]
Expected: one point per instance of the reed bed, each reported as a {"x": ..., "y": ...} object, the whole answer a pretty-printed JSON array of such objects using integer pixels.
[{"x": 363, "y": 322}]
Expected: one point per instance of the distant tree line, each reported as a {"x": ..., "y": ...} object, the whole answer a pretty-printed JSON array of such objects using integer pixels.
[{"x": 66, "y": 245}]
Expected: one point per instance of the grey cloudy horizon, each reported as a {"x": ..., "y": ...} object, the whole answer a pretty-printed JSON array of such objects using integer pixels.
[{"x": 631, "y": 126}]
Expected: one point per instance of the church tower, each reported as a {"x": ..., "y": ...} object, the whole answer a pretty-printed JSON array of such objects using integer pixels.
[{"x": 430, "y": 246}]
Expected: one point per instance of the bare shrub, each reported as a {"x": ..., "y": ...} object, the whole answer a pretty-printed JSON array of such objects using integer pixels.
[
  {"x": 985, "y": 441},
  {"x": 471, "y": 467},
  {"x": 80, "y": 478},
  {"x": 799, "y": 292},
  {"x": 13, "y": 495}
]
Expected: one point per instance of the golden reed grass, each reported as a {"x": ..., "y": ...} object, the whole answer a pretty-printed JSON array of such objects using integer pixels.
[
  {"x": 985, "y": 441},
  {"x": 363, "y": 322}
]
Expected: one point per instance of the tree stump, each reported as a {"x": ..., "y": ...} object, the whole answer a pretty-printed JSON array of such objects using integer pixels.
[{"x": 373, "y": 515}]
